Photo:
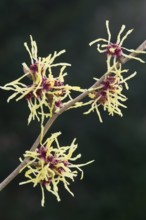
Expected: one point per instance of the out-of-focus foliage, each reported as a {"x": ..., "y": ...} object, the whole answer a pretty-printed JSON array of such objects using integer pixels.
[{"x": 114, "y": 186}]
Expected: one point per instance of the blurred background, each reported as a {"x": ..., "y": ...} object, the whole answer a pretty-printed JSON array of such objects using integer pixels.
[{"x": 114, "y": 186}]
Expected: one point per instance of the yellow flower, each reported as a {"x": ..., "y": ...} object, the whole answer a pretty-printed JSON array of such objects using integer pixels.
[
  {"x": 109, "y": 93},
  {"x": 51, "y": 164},
  {"x": 44, "y": 92},
  {"x": 115, "y": 50}
]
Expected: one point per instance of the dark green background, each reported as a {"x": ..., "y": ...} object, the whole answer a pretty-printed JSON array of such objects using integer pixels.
[{"x": 114, "y": 187}]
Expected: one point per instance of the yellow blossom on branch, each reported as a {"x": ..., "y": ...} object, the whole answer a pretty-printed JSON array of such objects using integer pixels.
[
  {"x": 109, "y": 94},
  {"x": 44, "y": 92},
  {"x": 51, "y": 164},
  {"x": 115, "y": 50}
]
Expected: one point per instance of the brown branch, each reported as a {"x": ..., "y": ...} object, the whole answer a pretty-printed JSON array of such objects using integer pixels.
[{"x": 49, "y": 123}]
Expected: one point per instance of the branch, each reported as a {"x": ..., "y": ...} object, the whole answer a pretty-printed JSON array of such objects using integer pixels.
[{"x": 49, "y": 123}]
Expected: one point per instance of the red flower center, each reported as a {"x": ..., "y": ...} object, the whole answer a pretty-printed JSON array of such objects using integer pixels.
[{"x": 114, "y": 50}]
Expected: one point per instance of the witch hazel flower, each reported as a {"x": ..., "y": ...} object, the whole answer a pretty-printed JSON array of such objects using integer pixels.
[
  {"x": 115, "y": 51},
  {"x": 109, "y": 94},
  {"x": 44, "y": 92},
  {"x": 52, "y": 164}
]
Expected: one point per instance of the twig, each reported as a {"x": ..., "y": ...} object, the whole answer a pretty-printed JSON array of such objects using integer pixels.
[{"x": 49, "y": 123}]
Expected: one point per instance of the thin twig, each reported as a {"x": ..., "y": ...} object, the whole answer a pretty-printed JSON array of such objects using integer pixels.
[{"x": 49, "y": 123}]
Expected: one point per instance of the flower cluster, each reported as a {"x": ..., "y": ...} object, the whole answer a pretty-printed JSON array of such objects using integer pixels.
[
  {"x": 109, "y": 93},
  {"x": 44, "y": 93},
  {"x": 115, "y": 51},
  {"x": 51, "y": 164}
]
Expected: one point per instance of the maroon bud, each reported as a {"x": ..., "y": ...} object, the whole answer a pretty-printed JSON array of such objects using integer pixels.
[
  {"x": 42, "y": 152},
  {"x": 29, "y": 96},
  {"x": 58, "y": 83},
  {"x": 60, "y": 170},
  {"x": 46, "y": 84},
  {"x": 58, "y": 104},
  {"x": 34, "y": 68},
  {"x": 45, "y": 182}
]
